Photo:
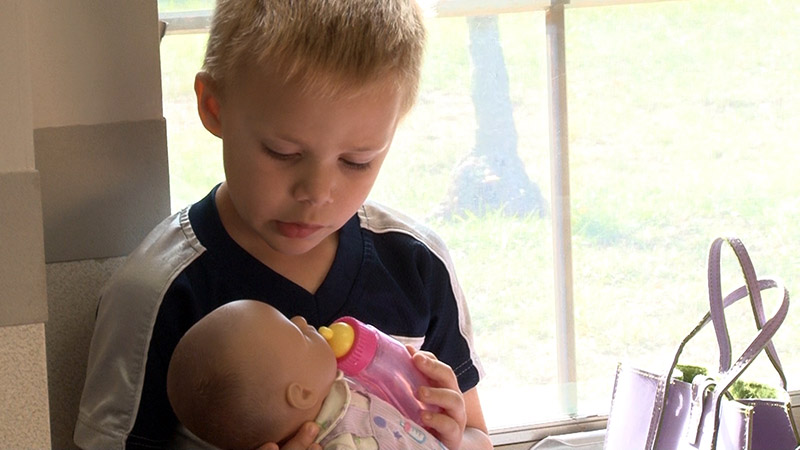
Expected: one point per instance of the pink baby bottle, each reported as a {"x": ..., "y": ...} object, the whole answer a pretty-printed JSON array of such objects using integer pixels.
[{"x": 378, "y": 362}]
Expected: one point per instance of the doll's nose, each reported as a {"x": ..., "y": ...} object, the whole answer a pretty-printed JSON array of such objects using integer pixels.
[{"x": 300, "y": 321}]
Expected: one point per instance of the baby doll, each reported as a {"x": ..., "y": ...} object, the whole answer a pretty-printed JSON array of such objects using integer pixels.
[{"x": 245, "y": 375}]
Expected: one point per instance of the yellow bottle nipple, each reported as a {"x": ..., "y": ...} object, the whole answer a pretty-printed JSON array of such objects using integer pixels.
[{"x": 340, "y": 337}]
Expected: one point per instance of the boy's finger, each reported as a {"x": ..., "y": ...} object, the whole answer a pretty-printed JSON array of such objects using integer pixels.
[
  {"x": 448, "y": 430},
  {"x": 304, "y": 439},
  {"x": 452, "y": 402},
  {"x": 440, "y": 373}
]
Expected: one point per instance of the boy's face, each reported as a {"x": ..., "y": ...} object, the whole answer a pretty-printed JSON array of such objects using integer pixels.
[{"x": 298, "y": 165}]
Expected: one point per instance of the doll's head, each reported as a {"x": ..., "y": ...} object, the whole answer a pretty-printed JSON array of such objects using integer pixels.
[{"x": 245, "y": 375}]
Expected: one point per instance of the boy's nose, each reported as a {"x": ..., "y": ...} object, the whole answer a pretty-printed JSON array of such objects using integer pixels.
[{"x": 315, "y": 186}]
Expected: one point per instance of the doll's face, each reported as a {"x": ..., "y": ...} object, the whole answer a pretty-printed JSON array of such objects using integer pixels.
[
  {"x": 285, "y": 363},
  {"x": 293, "y": 351},
  {"x": 302, "y": 347}
]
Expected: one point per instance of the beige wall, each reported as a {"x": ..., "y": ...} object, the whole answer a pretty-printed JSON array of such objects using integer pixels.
[
  {"x": 92, "y": 59},
  {"x": 99, "y": 134},
  {"x": 83, "y": 176},
  {"x": 16, "y": 139},
  {"x": 23, "y": 304}
]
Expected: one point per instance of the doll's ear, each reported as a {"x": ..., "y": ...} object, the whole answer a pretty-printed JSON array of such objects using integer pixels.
[{"x": 300, "y": 397}]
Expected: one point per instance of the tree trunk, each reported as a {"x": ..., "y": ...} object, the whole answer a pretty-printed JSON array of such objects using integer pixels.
[{"x": 492, "y": 177}]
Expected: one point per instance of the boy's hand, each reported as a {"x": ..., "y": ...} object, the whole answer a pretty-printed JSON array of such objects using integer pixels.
[
  {"x": 303, "y": 440},
  {"x": 449, "y": 424}
]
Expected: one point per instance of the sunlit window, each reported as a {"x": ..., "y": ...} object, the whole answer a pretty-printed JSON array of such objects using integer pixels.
[{"x": 683, "y": 126}]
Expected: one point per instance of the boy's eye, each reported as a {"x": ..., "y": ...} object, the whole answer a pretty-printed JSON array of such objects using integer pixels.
[
  {"x": 355, "y": 165},
  {"x": 278, "y": 155}
]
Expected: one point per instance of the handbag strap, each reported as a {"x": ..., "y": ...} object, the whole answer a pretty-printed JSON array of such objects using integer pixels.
[
  {"x": 761, "y": 339},
  {"x": 717, "y": 304},
  {"x": 758, "y": 344}
]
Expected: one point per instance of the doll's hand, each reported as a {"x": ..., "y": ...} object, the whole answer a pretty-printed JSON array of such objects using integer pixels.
[
  {"x": 448, "y": 425},
  {"x": 303, "y": 440}
]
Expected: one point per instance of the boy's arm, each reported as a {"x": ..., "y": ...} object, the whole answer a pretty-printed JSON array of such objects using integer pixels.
[{"x": 476, "y": 434}]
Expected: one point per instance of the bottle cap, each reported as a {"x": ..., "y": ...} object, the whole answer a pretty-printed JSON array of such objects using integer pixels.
[
  {"x": 340, "y": 337},
  {"x": 365, "y": 343}
]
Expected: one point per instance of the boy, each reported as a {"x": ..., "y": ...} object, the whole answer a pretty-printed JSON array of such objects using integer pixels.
[
  {"x": 306, "y": 96},
  {"x": 246, "y": 375}
]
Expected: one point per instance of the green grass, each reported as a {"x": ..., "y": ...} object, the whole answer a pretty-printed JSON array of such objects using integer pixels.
[
  {"x": 184, "y": 5},
  {"x": 683, "y": 126}
]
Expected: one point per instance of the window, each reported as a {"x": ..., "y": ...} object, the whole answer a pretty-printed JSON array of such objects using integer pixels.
[{"x": 682, "y": 126}]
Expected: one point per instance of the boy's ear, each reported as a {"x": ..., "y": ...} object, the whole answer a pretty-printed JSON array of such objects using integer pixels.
[
  {"x": 208, "y": 103},
  {"x": 300, "y": 397}
]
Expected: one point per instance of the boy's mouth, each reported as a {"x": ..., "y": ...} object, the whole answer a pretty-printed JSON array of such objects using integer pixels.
[{"x": 296, "y": 230}]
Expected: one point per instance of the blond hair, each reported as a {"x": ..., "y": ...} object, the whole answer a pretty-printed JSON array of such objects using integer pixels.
[{"x": 331, "y": 46}]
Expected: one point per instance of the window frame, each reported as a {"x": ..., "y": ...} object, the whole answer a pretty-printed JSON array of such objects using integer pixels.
[{"x": 198, "y": 21}]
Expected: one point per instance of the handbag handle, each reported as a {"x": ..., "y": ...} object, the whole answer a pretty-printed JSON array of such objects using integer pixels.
[
  {"x": 717, "y": 303},
  {"x": 761, "y": 340}
]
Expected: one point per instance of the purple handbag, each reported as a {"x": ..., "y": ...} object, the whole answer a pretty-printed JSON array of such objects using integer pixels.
[{"x": 660, "y": 412}]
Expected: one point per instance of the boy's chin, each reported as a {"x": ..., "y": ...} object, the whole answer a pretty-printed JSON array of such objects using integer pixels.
[{"x": 294, "y": 247}]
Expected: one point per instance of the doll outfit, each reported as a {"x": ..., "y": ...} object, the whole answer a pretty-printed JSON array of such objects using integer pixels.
[
  {"x": 388, "y": 271},
  {"x": 353, "y": 419}
]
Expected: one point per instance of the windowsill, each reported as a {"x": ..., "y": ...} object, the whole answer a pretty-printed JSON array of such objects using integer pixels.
[{"x": 522, "y": 438}]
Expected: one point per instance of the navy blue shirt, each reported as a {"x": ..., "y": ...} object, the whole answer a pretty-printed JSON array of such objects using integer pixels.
[{"x": 388, "y": 271}]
